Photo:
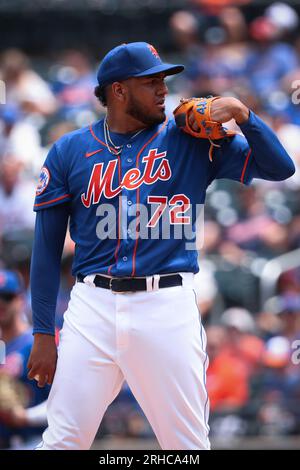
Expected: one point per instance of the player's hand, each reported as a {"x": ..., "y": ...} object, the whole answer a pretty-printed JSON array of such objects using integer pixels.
[
  {"x": 224, "y": 109},
  {"x": 42, "y": 361}
]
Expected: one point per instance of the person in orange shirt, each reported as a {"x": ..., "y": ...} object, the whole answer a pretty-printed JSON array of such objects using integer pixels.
[{"x": 227, "y": 375}]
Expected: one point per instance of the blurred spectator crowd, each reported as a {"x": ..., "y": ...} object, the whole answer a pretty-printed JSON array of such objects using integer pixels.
[{"x": 253, "y": 378}]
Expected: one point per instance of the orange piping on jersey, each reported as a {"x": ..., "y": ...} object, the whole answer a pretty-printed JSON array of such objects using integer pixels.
[
  {"x": 52, "y": 200},
  {"x": 245, "y": 166},
  {"x": 119, "y": 215},
  {"x": 138, "y": 191},
  {"x": 119, "y": 218},
  {"x": 95, "y": 137}
]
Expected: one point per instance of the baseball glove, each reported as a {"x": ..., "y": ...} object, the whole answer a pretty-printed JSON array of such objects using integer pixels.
[{"x": 200, "y": 109}]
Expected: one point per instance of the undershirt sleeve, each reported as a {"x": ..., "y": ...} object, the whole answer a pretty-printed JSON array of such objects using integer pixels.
[{"x": 50, "y": 231}]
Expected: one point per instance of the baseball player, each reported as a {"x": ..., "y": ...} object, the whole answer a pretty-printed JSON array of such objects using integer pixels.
[{"x": 132, "y": 314}]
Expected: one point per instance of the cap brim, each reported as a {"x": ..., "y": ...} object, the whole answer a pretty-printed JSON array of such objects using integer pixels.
[{"x": 168, "y": 69}]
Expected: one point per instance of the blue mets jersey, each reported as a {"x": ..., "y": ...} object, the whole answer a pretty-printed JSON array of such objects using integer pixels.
[{"x": 135, "y": 213}]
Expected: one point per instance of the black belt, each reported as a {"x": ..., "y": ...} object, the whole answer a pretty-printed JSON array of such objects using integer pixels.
[{"x": 133, "y": 284}]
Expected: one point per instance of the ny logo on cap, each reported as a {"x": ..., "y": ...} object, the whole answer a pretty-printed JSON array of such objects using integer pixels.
[{"x": 153, "y": 50}]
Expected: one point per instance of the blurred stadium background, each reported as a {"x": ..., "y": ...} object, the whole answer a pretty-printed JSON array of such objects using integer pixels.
[{"x": 249, "y": 283}]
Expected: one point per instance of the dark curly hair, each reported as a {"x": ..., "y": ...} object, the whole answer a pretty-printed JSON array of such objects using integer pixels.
[{"x": 100, "y": 93}]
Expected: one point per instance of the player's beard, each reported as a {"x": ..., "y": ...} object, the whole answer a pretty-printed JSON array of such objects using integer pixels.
[{"x": 138, "y": 111}]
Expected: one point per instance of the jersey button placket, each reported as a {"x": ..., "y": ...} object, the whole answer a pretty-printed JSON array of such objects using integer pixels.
[
  {"x": 126, "y": 245},
  {"x": 122, "y": 304}
]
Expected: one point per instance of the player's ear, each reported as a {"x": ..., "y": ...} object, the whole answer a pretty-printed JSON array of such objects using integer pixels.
[{"x": 119, "y": 91}]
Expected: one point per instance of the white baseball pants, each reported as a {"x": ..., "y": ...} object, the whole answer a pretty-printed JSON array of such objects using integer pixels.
[{"x": 154, "y": 341}]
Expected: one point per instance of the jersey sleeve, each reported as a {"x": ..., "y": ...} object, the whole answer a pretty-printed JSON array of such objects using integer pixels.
[
  {"x": 257, "y": 154},
  {"x": 52, "y": 188},
  {"x": 233, "y": 161}
]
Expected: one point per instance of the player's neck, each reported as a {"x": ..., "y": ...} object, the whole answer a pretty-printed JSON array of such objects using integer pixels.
[{"x": 123, "y": 124}]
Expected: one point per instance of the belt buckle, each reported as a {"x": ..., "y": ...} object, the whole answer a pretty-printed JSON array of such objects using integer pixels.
[{"x": 111, "y": 286}]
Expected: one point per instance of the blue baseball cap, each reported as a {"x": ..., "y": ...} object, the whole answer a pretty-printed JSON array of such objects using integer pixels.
[
  {"x": 10, "y": 283},
  {"x": 135, "y": 59}
]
